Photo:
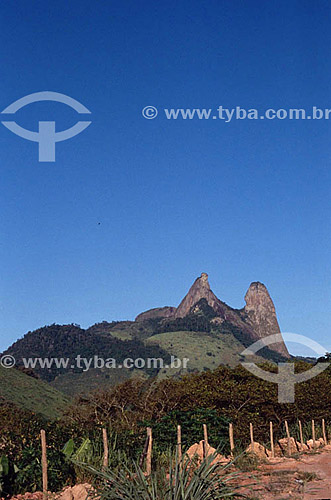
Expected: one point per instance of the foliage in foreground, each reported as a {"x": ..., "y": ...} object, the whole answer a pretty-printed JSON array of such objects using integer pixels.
[
  {"x": 183, "y": 481},
  {"x": 215, "y": 398}
]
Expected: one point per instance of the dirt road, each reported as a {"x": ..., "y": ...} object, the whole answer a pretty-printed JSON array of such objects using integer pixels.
[{"x": 306, "y": 478}]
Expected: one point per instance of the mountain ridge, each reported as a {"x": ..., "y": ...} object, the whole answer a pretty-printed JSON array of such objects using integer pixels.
[
  {"x": 202, "y": 328},
  {"x": 257, "y": 318}
]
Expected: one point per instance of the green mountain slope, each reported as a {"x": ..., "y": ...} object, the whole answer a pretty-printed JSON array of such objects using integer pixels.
[
  {"x": 203, "y": 350},
  {"x": 206, "y": 340},
  {"x": 202, "y": 328},
  {"x": 30, "y": 393}
]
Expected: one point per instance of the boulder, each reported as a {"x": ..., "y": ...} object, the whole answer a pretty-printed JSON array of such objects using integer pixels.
[
  {"x": 283, "y": 444},
  {"x": 196, "y": 453},
  {"x": 302, "y": 447},
  {"x": 259, "y": 450},
  {"x": 318, "y": 443},
  {"x": 77, "y": 492}
]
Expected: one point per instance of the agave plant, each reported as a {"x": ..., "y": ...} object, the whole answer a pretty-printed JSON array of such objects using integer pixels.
[{"x": 183, "y": 481}]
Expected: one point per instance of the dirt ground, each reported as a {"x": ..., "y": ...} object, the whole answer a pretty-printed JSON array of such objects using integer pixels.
[{"x": 306, "y": 477}]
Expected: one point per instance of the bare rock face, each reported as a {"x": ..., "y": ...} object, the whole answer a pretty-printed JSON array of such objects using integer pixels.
[
  {"x": 257, "y": 320},
  {"x": 199, "y": 290},
  {"x": 261, "y": 314},
  {"x": 157, "y": 312}
]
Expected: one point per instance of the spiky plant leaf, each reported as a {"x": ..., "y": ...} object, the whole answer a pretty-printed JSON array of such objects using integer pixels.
[{"x": 184, "y": 481}]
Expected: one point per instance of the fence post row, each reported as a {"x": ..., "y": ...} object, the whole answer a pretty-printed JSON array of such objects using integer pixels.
[{"x": 147, "y": 452}]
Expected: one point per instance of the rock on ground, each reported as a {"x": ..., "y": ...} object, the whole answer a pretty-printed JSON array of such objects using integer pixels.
[
  {"x": 195, "y": 452},
  {"x": 259, "y": 450},
  {"x": 77, "y": 492}
]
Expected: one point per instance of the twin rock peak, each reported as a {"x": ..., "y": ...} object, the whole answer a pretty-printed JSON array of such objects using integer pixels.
[{"x": 256, "y": 320}]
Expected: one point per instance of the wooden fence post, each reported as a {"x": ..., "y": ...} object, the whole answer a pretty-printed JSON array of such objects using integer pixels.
[
  {"x": 272, "y": 441},
  {"x": 301, "y": 435},
  {"x": 149, "y": 452},
  {"x": 105, "y": 448},
  {"x": 324, "y": 433},
  {"x": 231, "y": 438},
  {"x": 179, "y": 445},
  {"x": 205, "y": 441},
  {"x": 313, "y": 433},
  {"x": 252, "y": 436},
  {"x": 44, "y": 464},
  {"x": 288, "y": 438}
]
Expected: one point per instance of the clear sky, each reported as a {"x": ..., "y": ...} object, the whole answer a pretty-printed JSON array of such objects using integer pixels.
[{"x": 134, "y": 210}]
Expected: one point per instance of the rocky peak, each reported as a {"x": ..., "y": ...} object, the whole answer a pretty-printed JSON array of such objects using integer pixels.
[
  {"x": 261, "y": 314},
  {"x": 199, "y": 290},
  {"x": 257, "y": 293},
  {"x": 257, "y": 320},
  {"x": 204, "y": 280}
]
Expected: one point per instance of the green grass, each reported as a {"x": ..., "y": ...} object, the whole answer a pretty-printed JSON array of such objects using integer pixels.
[
  {"x": 31, "y": 394},
  {"x": 204, "y": 350}
]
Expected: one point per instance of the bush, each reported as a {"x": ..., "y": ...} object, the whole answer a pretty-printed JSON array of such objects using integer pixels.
[
  {"x": 191, "y": 421},
  {"x": 183, "y": 481}
]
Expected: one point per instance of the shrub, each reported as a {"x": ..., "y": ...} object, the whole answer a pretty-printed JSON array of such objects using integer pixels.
[{"x": 182, "y": 481}]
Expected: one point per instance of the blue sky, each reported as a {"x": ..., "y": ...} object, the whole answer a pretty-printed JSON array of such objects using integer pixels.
[{"x": 134, "y": 210}]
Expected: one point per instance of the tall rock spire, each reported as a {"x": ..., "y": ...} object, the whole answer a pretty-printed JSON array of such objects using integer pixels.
[
  {"x": 261, "y": 314},
  {"x": 199, "y": 290}
]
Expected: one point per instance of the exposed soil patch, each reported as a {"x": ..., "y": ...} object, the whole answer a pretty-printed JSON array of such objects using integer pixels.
[{"x": 307, "y": 477}]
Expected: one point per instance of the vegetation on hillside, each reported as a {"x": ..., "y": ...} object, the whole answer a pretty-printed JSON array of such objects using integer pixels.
[
  {"x": 27, "y": 392},
  {"x": 205, "y": 340},
  {"x": 215, "y": 398},
  {"x": 68, "y": 341}
]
